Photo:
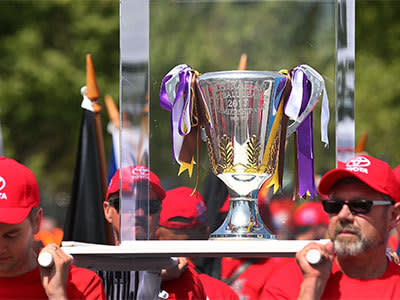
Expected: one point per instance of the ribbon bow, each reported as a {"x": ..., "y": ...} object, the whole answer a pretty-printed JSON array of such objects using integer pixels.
[
  {"x": 307, "y": 88},
  {"x": 178, "y": 96}
]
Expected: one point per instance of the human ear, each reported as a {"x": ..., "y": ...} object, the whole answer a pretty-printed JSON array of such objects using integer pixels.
[
  {"x": 37, "y": 220},
  {"x": 395, "y": 215}
]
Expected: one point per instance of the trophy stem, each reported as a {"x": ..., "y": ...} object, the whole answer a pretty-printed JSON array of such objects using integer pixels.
[{"x": 243, "y": 221}]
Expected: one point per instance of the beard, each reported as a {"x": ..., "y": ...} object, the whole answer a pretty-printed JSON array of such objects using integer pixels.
[{"x": 353, "y": 245}]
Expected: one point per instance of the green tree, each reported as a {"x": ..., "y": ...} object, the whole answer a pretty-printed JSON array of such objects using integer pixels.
[
  {"x": 377, "y": 69},
  {"x": 43, "y": 47}
]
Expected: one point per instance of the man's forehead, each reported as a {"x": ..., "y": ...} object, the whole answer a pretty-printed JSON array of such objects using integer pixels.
[
  {"x": 13, "y": 227},
  {"x": 352, "y": 187}
]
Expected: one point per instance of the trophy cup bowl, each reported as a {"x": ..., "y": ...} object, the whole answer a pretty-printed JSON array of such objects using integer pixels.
[{"x": 242, "y": 144}]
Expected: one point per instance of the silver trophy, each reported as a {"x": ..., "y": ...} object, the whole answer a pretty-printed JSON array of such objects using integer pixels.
[
  {"x": 245, "y": 115},
  {"x": 242, "y": 143}
]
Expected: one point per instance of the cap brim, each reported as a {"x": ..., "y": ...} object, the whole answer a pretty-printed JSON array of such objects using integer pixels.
[
  {"x": 11, "y": 215},
  {"x": 159, "y": 190},
  {"x": 333, "y": 176}
]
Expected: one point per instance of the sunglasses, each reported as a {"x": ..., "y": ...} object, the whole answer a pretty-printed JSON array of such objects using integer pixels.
[
  {"x": 356, "y": 206},
  {"x": 153, "y": 206}
]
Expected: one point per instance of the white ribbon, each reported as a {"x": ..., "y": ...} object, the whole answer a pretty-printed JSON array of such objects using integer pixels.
[
  {"x": 295, "y": 100},
  {"x": 324, "y": 117},
  {"x": 86, "y": 102},
  {"x": 325, "y": 104}
]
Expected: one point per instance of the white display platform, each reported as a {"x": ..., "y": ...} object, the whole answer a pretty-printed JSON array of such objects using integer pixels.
[{"x": 141, "y": 255}]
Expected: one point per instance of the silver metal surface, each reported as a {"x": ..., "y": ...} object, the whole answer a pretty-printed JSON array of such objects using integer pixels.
[
  {"x": 243, "y": 221},
  {"x": 241, "y": 109}
]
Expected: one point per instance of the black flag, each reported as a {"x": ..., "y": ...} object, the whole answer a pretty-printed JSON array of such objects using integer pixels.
[{"x": 85, "y": 216}]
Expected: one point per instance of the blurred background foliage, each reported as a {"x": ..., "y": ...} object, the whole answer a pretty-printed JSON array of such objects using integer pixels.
[{"x": 43, "y": 45}]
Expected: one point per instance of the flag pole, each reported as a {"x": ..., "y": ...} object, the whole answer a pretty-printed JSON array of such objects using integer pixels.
[
  {"x": 93, "y": 95},
  {"x": 360, "y": 147},
  {"x": 242, "y": 62},
  {"x": 112, "y": 109}
]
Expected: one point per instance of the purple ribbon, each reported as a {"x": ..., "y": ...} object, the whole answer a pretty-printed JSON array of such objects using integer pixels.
[
  {"x": 305, "y": 157},
  {"x": 305, "y": 146},
  {"x": 164, "y": 100},
  {"x": 175, "y": 101},
  {"x": 183, "y": 89}
]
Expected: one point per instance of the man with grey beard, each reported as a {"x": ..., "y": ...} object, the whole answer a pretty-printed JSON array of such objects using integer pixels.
[{"x": 362, "y": 198}]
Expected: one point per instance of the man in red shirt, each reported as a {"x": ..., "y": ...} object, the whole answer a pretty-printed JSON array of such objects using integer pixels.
[
  {"x": 362, "y": 198},
  {"x": 184, "y": 217},
  {"x": 144, "y": 194},
  {"x": 20, "y": 275},
  {"x": 143, "y": 188}
]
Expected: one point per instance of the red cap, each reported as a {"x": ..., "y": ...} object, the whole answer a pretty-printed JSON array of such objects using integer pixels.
[
  {"x": 396, "y": 172},
  {"x": 135, "y": 174},
  {"x": 19, "y": 191},
  {"x": 180, "y": 202},
  {"x": 281, "y": 212},
  {"x": 309, "y": 214},
  {"x": 373, "y": 172}
]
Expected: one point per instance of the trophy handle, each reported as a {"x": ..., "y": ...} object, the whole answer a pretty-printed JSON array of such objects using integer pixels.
[
  {"x": 292, "y": 128},
  {"x": 317, "y": 87}
]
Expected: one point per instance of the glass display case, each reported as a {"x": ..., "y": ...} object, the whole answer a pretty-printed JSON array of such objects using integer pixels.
[{"x": 211, "y": 36}]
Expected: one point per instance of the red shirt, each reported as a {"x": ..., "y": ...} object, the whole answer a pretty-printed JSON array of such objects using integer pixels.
[
  {"x": 81, "y": 284},
  {"x": 285, "y": 284},
  {"x": 186, "y": 287},
  {"x": 216, "y": 289},
  {"x": 250, "y": 283}
]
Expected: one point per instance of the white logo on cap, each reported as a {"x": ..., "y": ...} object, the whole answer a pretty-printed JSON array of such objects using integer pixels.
[
  {"x": 140, "y": 173},
  {"x": 2, "y": 183},
  {"x": 358, "y": 164},
  {"x": 2, "y": 186}
]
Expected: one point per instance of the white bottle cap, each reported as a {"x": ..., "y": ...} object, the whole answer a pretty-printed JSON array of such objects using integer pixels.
[
  {"x": 313, "y": 256},
  {"x": 163, "y": 294},
  {"x": 45, "y": 259}
]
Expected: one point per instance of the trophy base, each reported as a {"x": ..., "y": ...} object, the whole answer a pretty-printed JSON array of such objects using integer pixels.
[
  {"x": 226, "y": 236},
  {"x": 242, "y": 222}
]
